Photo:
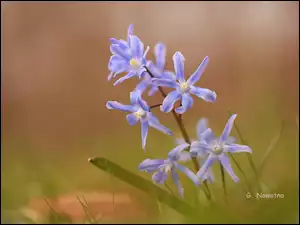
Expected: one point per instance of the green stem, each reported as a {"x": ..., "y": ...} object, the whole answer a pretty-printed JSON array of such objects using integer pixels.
[
  {"x": 178, "y": 119},
  {"x": 154, "y": 106}
]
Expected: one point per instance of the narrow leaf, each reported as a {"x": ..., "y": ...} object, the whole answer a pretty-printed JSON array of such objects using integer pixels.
[{"x": 143, "y": 184}]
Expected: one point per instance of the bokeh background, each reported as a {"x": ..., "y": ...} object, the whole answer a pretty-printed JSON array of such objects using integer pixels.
[{"x": 54, "y": 88}]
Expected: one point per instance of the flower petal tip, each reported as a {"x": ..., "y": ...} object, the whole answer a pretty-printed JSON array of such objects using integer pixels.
[{"x": 108, "y": 105}]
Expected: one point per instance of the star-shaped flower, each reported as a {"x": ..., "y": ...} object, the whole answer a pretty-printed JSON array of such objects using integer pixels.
[
  {"x": 129, "y": 57},
  {"x": 165, "y": 166},
  {"x": 216, "y": 149},
  {"x": 183, "y": 88},
  {"x": 139, "y": 111}
]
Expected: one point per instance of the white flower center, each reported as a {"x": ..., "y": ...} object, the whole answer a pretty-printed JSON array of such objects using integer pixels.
[
  {"x": 135, "y": 63},
  {"x": 184, "y": 86},
  {"x": 140, "y": 113},
  {"x": 217, "y": 149},
  {"x": 168, "y": 167}
]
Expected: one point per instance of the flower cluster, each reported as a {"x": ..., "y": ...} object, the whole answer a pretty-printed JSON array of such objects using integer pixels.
[{"x": 130, "y": 58}]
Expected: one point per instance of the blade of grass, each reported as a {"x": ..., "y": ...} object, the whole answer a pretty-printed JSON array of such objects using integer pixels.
[
  {"x": 249, "y": 156},
  {"x": 223, "y": 182},
  {"x": 270, "y": 149},
  {"x": 86, "y": 211},
  {"x": 52, "y": 210},
  {"x": 144, "y": 185}
]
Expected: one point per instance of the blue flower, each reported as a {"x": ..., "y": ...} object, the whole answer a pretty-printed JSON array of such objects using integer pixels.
[
  {"x": 139, "y": 111},
  {"x": 184, "y": 88},
  {"x": 157, "y": 69},
  {"x": 162, "y": 167},
  {"x": 128, "y": 57},
  {"x": 204, "y": 134},
  {"x": 216, "y": 149},
  {"x": 122, "y": 43}
]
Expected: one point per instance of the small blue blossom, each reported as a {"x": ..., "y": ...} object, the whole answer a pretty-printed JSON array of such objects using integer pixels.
[
  {"x": 216, "y": 149},
  {"x": 139, "y": 111},
  {"x": 183, "y": 88},
  {"x": 157, "y": 69},
  {"x": 122, "y": 43},
  {"x": 204, "y": 134},
  {"x": 129, "y": 57},
  {"x": 162, "y": 167}
]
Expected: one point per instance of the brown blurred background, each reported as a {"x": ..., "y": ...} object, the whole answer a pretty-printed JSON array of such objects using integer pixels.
[{"x": 54, "y": 79}]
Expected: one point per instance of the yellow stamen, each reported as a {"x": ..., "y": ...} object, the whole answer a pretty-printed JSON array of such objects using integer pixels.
[
  {"x": 135, "y": 63},
  {"x": 140, "y": 113},
  {"x": 184, "y": 86}
]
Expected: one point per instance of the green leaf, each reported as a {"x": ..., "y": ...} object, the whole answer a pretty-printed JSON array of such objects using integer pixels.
[{"x": 144, "y": 185}]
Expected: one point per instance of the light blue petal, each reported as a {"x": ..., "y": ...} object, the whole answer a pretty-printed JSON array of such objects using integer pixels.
[
  {"x": 186, "y": 102},
  {"x": 208, "y": 163},
  {"x": 154, "y": 122},
  {"x": 157, "y": 73},
  {"x": 174, "y": 153},
  {"x": 200, "y": 148},
  {"x": 159, "y": 177},
  {"x": 177, "y": 182},
  {"x": 137, "y": 47},
  {"x": 209, "y": 175},
  {"x": 179, "y": 141},
  {"x": 117, "y": 64},
  {"x": 151, "y": 164},
  {"x": 119, "y": 106},
  {"x": 184, "y": 156},
  {"x": 146, "y": 52},
  {"x": 228, "y": 128},
  {"x": 227, "y": 166},
  {"x": 117, "y": 50},
  {"x": 235, "y": 148},
  {"x": 153, "y": 90},
  {"x": 198, "y": 73},
  {"x": 201, "y": 126},
  {"x": 144, "y": 130},
  {"x": 143, "y": 104},
  {"x": 169, "y": 75},
  {"x": 178, "y": 60},
  {"x": 134, "y": 96},
  {"x": 160, "y": 55},
  {"x": 164, "y": 82},
  {"x": 188, "y": 173},
  {"x": 111, "y": 75},
  {"x": 130, "y": 30},
  {"x": 122, "y": 44},
  {"x": 206, "y": 94},
  {"x": 141, "y": 73},
  {"x": 122, "y": 79},
  {"x": 230, "y": 140},
  {"x": 142, "y": 86},
  {"x": 169, "y": 101},
  {"x": 207, "y": 136},
  {"x": 117, "y": 59},
  {"x": 132, "y": 119}
]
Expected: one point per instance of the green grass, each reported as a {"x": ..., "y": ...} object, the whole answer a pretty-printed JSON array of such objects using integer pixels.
[{"x": 31, "y": 174}]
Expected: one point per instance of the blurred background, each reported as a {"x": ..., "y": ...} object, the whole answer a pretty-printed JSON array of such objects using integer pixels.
[{"x": 54, "y": 89}]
